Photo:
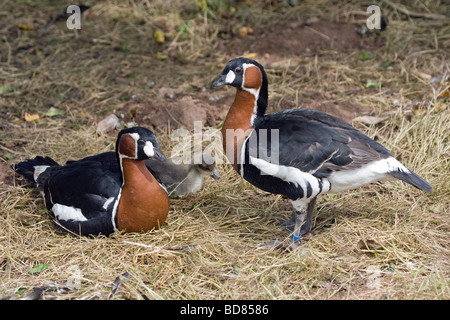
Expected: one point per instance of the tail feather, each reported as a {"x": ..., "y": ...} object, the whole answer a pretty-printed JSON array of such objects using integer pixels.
[
  {"x": 32, "y": 169},
  {"x": 411, "y": 178}
]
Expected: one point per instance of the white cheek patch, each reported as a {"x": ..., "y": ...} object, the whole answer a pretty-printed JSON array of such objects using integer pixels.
[
  {"x": 148, "y": 149},
  {"x": 230, "y": 77}
]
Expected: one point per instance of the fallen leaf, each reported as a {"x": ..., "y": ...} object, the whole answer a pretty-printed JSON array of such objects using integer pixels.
[
  {"x": 421, "y": 112},
  {"x": 369, "y": 119},
  {"x": 8, "y": 156},
  {"x": 38, "y": 268},
  {"x": 363, "y": 56},
  {"x": 53, "y": 112},
  {"x": 25, "y": 27},
  {"x": 202, "y": 5},
  {"x": 31, "y": 117},
  {"x": 159, "y": 36},
  {"x": 440, "y": 106},
  {"x": 161, "y": 56},
  {"x": 371, "y": 84},
  {"x": 445, "y": 93},
  {"x": 6, "y": 89},
  {"x": 250, "y": 55},
  {"x": 243, "y": 31}
]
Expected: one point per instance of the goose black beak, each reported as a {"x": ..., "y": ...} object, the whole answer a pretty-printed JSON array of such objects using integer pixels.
[
  {"x": 220, "y": 81},
  {"x": 159, "y": 155}
]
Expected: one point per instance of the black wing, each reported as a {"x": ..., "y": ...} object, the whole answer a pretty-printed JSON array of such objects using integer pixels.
[
  {"x": 313, "y": 142},
  {"x": 86, "y": 185}
]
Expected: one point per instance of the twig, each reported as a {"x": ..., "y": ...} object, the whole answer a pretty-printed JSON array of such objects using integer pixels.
[
  {"x": 319, "y": 33},
  {"x": 11, "y": 151},
  {"x": 415, "y": 14},
  {"x": 182, "y": 248}
]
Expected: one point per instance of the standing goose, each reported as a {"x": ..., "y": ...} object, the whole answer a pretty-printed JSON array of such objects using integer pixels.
[
  {"x": 299, "y": 153},
  {"x": 100, "y": 195}
]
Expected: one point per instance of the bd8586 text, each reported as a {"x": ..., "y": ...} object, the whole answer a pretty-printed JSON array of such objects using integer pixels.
[{"x": 246, "y": 309}]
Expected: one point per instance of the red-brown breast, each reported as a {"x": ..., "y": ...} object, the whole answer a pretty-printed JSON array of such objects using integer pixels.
[{"x": 144, "y": 204}]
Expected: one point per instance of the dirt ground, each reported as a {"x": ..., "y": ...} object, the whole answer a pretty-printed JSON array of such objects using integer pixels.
[
  {"x": 172, "y": 107},
  {"x": 384, "y": 241}
]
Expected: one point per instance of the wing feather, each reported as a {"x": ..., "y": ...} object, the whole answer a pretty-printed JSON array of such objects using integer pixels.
[{"x": 315, "y": 142}]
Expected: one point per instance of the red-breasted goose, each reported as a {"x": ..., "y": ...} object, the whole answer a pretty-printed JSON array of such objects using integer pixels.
[
  {"x": 299, "y": 153},
  {"x": 103, "y": 194}
]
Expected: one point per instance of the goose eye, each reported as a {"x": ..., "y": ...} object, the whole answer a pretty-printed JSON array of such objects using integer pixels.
[
  {"x": 141, "y": 142},
  {"x": 238, "y": 70}
]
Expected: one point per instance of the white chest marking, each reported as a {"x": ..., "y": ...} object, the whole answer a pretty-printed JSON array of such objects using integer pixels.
[
  {"x": 254, "y": 92},
  {"x": 241, "y": 155},
  {"x": 63, "y": 212}
]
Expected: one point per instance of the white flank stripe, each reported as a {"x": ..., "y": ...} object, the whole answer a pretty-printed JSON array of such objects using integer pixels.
[
  {"x": 63, "y": 212},
  {"x": 371, "y": 172},
  {"x": 291, "y": 175}
]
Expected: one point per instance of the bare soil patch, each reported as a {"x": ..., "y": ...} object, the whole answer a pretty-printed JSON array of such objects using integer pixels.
[
  {"x": 297, "y": 40},
  {"x": 300, "y": 39}
]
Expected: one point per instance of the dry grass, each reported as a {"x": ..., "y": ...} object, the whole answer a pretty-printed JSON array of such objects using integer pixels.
[{"x": 384, "y": 241}]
